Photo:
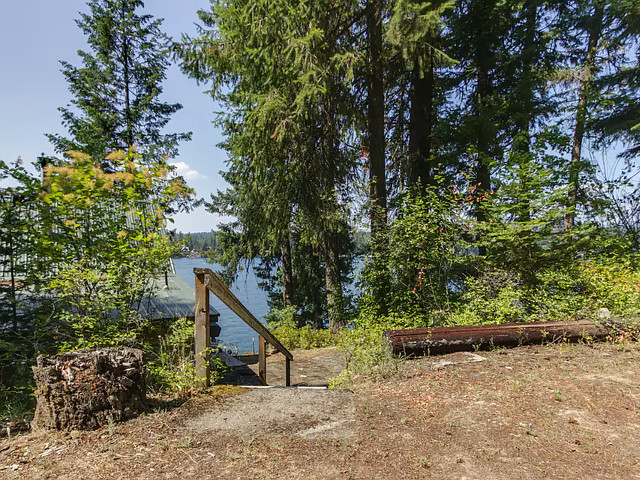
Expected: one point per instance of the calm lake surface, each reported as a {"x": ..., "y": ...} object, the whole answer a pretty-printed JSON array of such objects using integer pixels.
[{"x": 235, "y": 333}]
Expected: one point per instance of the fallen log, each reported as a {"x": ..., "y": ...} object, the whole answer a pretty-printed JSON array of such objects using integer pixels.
[{"x": 438, "y": 340}]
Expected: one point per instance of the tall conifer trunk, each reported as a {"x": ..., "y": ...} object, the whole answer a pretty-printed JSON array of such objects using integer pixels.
[
  {"x": 421, "y": 119},
  {"x": 588, "y": 70},
  {"x": 127, "y": 81},
  {"x": 287, "y": 271},
  {"x": 376, "y": 140},
  {"x": 484, "y": 89},
  {"x": 525, "y": 101},
  {"x": 332, "y": 282},
  {"x": 375, "y": 117},
  {"x": 483, "y": 172}
]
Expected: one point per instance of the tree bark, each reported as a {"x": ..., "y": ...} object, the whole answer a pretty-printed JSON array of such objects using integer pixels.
[
  {"x": 127, "y": 81},
  {"x": 333, "y": 283},
  {"x": 588, "y": 70},
  {"x": 375, "y": 117},
  {"x": 525, "y": 104},
  {"x": 421, "y": 118},
  {"x": 287, "y": 271},
  {"x": 484, "y": 88}
]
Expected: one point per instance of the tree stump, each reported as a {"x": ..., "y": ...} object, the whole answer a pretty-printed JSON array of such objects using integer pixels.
[{"x": 86, "y": 389}]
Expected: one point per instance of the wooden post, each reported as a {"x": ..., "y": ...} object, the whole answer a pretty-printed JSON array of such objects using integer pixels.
[
  {"x": 205, "y": 277},
  {"x": 262, "y": 359},
  {"x": 288, "y": 372},
  {"x": 202, "y": 332}
]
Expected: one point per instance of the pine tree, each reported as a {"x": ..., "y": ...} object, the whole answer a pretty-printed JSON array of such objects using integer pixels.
[
  {"x": 414, "y": 31},
  {"x": 285, "y": 89},
  {"x": 594, "y": 43},
  {"x": 116, "y": 92},
  {"x": 619, "y": 113}
]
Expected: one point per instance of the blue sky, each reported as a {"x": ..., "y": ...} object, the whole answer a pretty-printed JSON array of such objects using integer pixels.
[{"x": 36, "y": 34}]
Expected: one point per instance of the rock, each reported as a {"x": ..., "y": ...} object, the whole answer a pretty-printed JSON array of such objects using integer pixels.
[
  {"x": 604, "y": 314},
  {"x": 86, "y": 389}
]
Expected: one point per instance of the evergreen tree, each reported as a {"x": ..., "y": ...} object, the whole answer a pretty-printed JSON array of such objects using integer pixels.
[
  {"x": 414, "y": 32},
  {"x": 285, "y": 87},
  {"x": 116, "y": 92},
  {"x": 619, "y": 113},
  {"x": 594, "y": 41}
]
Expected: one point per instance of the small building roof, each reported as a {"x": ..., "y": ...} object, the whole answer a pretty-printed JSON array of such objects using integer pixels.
[{"x": 173, "y": 298}]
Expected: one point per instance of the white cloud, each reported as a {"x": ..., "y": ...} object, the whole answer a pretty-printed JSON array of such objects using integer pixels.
[{"x": 182, "y": 169}]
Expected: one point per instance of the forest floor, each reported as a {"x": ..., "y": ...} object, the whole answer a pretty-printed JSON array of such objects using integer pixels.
[{"x": 558, "y": 411}]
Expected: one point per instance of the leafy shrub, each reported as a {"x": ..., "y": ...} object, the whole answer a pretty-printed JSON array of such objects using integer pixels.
[
  {"x": 170, "y": 363},
  {"x": 491, "y": 298},
  {"x": 17, "y": 401},
  {"x": 284, "y": 326},
  {"x": 367, "y": 352},
  {"x": 411, "y": 272},
  {"x": 612, "y": 284}
]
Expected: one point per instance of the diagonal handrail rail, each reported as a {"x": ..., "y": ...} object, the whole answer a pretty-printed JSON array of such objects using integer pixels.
[{"x": 207, "y": 280}]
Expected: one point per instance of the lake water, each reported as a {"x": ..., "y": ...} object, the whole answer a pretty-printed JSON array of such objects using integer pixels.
[{"x": 235, "y": 333}]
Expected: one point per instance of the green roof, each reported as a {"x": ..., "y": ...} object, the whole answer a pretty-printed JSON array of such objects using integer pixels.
[{"x": 173, "y": 298}]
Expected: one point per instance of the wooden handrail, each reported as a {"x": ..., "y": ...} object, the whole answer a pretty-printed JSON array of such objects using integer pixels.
[{"x": 206, "y": 278}]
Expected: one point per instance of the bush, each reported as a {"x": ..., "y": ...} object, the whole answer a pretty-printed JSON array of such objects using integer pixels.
[
  {"x": 573, "y": 292},
  {"x": 283, "y": 325},
  {"x": 368, "y": 353},
  {"x": 170, "y": 363}
]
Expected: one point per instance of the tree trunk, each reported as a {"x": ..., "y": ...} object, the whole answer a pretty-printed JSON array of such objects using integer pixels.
[
  {"x": 333, "y": 283},
  {"x": 287, "y": 271},
  {"x": 484, "y": 88},
  {"x": 525, "y": 104},
  {"x": 483, "y": 173},
  {"x": 86, "y": 389},
  {"x": 588, "y": 70},
  {"x": 421, "y": 117},
  {"x": 127, "y": 82},
  {"x": 376, "y": 138},
  {"x": 375, "y": 117}
]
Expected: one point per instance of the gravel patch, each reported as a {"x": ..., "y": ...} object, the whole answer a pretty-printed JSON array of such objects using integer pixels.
[{"x": 284, "y": 411}]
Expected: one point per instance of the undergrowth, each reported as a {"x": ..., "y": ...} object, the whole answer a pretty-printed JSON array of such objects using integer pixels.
[
  {"x": 169, "y": 360},
  {"x": 284, "y": 326}
]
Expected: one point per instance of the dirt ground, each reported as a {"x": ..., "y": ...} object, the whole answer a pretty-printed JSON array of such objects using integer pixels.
[
  {"x": 309, "y": 367},
  {"x": 561, "y": 412}
]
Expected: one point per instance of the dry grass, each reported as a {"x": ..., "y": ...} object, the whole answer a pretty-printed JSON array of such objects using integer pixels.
[{"x": 562, "y": 411}]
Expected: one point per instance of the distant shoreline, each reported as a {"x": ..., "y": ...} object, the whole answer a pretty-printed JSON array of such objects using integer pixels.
[{"x": 189, "y": 255}]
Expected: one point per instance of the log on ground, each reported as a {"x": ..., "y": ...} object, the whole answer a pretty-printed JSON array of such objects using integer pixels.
[{"x": 438, "y": 340}]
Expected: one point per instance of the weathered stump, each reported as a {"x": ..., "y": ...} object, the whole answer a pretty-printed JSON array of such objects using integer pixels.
[{"x": 88, "y": 388}]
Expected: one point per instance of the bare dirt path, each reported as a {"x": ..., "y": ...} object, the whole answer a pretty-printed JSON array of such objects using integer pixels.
[
  {"x": 307, "y": 413},
  {"x": 309, "y": 368},
  {"x": 543, "y": 412}
]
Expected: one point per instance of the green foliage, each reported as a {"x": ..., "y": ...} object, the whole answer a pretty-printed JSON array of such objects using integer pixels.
[
  {"x": 285, "y": 326},
  {"x": 116, "y": 91},
  {"x": 287, "y": 117},
  {"x": 169, "y": 360},
  {"x": 494, "y": 297},
  {"x": 103, "y": 243},
  {"x": 422, "y": 258},
  {"x": 16, "y": 396},
  {"x": 368, "y": 353},
  {"x": 95, "y": 245}
]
